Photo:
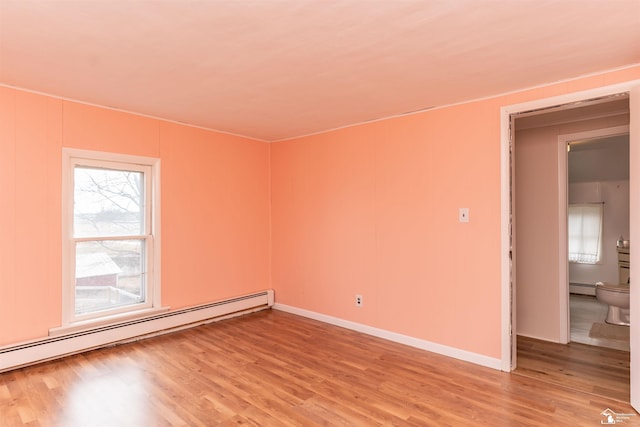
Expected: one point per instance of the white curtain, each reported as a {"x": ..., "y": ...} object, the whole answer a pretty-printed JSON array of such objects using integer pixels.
[{"x": 585, "y": 233}]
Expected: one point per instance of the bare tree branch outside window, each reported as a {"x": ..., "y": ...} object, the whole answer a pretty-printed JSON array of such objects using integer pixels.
[{"x": 108, "y": 204}]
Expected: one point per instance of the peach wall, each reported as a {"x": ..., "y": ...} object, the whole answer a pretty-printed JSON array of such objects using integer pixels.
[
  {"x": 30, "y": 144},
  {"x": 215, "y": 189},
  {"x": 93, "y": 128},
  {"x": 373, "y": 209},
  {"x": 215, "y": 215},
  {"x": 537, "y": 232}
]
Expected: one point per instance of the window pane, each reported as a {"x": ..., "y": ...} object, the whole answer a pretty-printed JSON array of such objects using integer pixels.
[
  {"x": 109, "y": 274},
  {"x": 585, "y": 233},
  {"x": 107, "y": 202}
]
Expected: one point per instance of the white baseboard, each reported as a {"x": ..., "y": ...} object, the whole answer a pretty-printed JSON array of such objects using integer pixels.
[{"x": 467, "y": 356}]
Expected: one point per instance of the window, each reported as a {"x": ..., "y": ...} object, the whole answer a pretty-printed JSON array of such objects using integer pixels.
[
  {"x": 110, "y": 223},
  {"x": 585, "y": 233}
]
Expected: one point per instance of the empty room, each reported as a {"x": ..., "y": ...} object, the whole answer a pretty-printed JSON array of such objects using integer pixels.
[{"x": 305, "y": 212}]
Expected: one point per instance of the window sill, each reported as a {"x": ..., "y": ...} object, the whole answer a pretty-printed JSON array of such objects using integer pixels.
[{"x": 105, "y": 321}]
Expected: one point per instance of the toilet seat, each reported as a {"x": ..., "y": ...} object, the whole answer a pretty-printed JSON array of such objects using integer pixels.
[{"x": 611, "y": 287}]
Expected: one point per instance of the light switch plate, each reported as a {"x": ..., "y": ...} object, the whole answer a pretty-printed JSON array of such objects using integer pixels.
[{"x": 463, "y": 215}]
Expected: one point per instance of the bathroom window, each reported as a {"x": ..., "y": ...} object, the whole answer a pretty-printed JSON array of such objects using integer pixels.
[{"x": 585, "y": 233}]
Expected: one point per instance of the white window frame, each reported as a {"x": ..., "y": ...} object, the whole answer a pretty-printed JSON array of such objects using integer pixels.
[{"x": 151, "y": 168}]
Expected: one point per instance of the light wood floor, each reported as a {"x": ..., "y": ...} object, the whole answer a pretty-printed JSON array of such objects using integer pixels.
[
  {"x": 598, "y": 370},
  {"x": 272, "y": 369},
  {"x": 601, "y": 367}
]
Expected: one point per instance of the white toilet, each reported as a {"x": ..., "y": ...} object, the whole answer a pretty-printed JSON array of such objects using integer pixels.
[{"x": 617, "y": 297}]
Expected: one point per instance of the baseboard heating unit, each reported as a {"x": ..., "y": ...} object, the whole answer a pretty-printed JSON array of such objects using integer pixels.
[{"x": 26, "y": 353}]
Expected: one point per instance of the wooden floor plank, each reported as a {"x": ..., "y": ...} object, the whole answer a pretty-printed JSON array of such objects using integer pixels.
[
  {"x": 274, "y": 368},
  {"x": 597, "y": 370}
]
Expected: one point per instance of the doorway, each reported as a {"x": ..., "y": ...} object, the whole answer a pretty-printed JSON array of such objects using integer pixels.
[
  {"x": 544, "y": 186},
  {"x": 592, "y": 177},
  {"x": 510, "y": 290},
  {"x": 540, "y": 198},
  {"x": 597, "y": 177}
]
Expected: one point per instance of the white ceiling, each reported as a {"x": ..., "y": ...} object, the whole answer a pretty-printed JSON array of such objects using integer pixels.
[{"x": 277, "y": 69}]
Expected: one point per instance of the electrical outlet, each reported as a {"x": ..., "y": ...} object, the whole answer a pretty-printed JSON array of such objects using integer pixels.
[{"x": 358, "y": 300}]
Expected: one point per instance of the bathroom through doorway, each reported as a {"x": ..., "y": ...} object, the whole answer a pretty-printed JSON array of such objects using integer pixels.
[
  {"x": 541, "y": 196},
  {"x": 533, "y": 290},
  {"x": 597, "y": 208}
]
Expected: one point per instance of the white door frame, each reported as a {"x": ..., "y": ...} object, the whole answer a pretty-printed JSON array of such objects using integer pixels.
[{"x": 507, "y": 302}]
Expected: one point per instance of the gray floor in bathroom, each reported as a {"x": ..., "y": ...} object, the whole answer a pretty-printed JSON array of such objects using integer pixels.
[{"x": 585, "y": 310}]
